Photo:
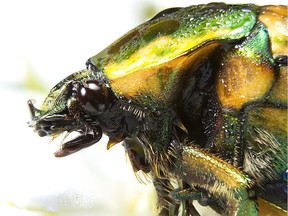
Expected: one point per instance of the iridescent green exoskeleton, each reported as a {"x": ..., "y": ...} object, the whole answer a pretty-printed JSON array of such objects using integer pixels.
[{"x": 198, "y": 96}]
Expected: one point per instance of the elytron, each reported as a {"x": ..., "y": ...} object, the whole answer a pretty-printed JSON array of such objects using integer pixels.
[{"x": 198, "y": 97}]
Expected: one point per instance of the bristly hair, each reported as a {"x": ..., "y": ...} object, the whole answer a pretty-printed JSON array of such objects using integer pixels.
[
  {"x": 139, "y": 113},
  {"x": 140, "y": 175},
  {"x": 262, "y": 165}
]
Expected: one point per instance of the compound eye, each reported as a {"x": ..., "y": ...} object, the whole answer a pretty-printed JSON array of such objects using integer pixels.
[{"x": 95, "y": 97}]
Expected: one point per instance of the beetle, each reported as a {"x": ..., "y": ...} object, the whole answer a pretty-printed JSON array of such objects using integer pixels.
[{"x": 198, "y": 97}]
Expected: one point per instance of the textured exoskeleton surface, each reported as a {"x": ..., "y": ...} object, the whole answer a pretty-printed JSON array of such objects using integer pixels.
[{"x": 198, "y": 95}]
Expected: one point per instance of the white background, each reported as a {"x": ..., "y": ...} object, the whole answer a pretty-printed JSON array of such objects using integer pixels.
[{"x": 52, "y": 39}]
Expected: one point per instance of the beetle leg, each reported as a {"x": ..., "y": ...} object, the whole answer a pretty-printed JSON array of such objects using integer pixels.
[
  {"x": 189, "y": 209},
  {"x": 165, "y": 202},
  {"x": 220, "y": 178},
  {"x": 190, "y": 194},
  {"x": 186, "y": 195}
]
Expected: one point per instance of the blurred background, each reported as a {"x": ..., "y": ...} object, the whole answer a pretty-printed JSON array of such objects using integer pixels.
[{"x": 41, "y": 42}]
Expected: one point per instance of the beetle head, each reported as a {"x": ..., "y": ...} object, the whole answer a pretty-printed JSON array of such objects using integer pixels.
[{"x": 85, "y": 104}]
